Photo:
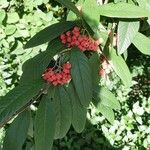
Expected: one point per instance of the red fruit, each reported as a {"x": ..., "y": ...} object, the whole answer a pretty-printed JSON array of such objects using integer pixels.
[
  {"x": 80, "y": 39},
  {"x": 58, "y": 76},
  {"x": 53, "y": 77},
  {"x": 77, "y": 43},
  {"x": 66, "y": 71},
  {"x": 64, "y": 41},
  {"x": 74, "y": 38},
  {"x": 67, "y": 65},
  {"x": 69, "y": 39},
  {"x": 55, "y": 83},
  {"x": 77, "y": 29},
  {"x": 50, "y": 80},
  {"x": 62, "y": 36},
  {"x": 68, "y": 33},
  {"x": 102, "y": 73}
]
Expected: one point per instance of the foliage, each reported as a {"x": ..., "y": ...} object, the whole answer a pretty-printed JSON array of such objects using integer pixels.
[{"x": 64, "y": 104}]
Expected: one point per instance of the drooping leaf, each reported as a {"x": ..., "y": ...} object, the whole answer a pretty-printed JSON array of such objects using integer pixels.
[
  {"x": 49, "y": 33},
  {"x": 68, "y": 4},
  {"x": 78, "y": 111},
  {"x": 107, "y": 112},
  {"x": 34, "y": 67},
  {"x": 123, "y": 10},
  {"x": 103, "y": 96},
  {"x": 17, "y": 132},
  {"x": 18, "y": 98},
  {"x": 63, "y": 112},
  {"x": 142, "y": 43},
  {"x": 81, "y": 76},
  {"x": 95, "y": 64},
  {"x": 91, "y": 17},
  {"x": 45, "y": 122},
  {"x": 126, "y": 33},
  {"x": 120, "y": 67}
]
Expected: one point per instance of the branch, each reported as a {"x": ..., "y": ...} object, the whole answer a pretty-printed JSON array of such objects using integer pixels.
[{"x": 22, "y": 109}]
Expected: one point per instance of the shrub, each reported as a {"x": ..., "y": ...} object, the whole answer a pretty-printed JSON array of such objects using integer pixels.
[{"x": 74, "y": 74}]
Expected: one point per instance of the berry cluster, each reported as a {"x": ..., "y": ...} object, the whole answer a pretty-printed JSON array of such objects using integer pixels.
[
  {"x": 58, "y": 76},
  {"x": 75, "y": 38},
  {"x": 106, "y": 68}
]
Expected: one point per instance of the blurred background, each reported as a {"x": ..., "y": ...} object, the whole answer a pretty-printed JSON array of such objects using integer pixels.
[{"x": 19, "y": 21}]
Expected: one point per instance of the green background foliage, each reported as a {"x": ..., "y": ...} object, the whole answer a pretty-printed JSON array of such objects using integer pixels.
[{"x": 19, "y": 21}]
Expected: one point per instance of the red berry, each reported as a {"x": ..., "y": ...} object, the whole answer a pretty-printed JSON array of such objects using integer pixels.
[
  {"x": 55, "y": 83},
  {"x": 102, "y": 73},
  {"x": 68, "y": 33},
  {"x": 62, "y": 36},
  {"x": 67, "y": 66}
]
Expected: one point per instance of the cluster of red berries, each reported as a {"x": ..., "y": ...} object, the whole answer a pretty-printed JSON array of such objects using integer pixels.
[
  {"x": 106, "y": 68},
  {"x": 58, "y": 76},
  {"x": 75, "y": 38}
]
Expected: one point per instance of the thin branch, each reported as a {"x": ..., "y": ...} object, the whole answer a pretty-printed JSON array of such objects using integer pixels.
[{"x": 22, "y": 109}]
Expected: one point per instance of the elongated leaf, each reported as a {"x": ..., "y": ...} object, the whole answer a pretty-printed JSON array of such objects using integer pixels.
[
  {"x": 120, "y": 67},
  {"x": 123, "y": 10},
  {"x": 63, "y": 111},
  {"x": 142, "y": 43},
  {"x": 49, "y": 33},
  {"x": 126, "y": 33},
  {"x": 68, "y": 4},
  {"x": 45, "y": 122},
  {"x": 18, "y": 97},
  {"x": 34, "y": 67},
  {"x": 78, "y": 111},
  {"x": 81, "y": 76},
  {"x": 17, "y": 132},
  {"x": 91, "y": 17},
  {"x": 95, "y": 64},
  {"x": 107, "y": 112},
  {"x": 103, "y": 96}
]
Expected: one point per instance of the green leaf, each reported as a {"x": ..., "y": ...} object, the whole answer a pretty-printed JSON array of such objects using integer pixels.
[
  {"x": 120, "y": 67},
  {"x": 126, "y": 33},
  {"x": 123, "y": 10},
  {"x": 63, "y": 111},
  {"x": 10, "y": 29},
  {"x": 49, "y": 33},
  {"x": 78, "y": 111},
  {"x": 12, "y": 17},
  {"x": 45, "y": 122},
  {"x": 34, "y": 67},
  {"x": 2, "y": 15},
  {"x": 95, "y": 65},
  {"x": 73, "y": 16},
  {"x": 68, "y": 4},
  {"x": 106, "y": 112},
  {"x": 17, "y": 132},
  {"x": 81, "y": 76},
  {"x": 17, "y": 98},
  {"x": 142, "y": 43},
  {"x": 103, "y": 96},
  {"x": 91, "y": 17},
  {"x": 146, "y": 5}
]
